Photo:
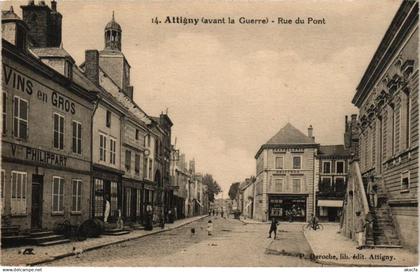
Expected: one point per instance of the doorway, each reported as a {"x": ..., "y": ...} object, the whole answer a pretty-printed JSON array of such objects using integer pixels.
[{"x": 36, "y": 207}]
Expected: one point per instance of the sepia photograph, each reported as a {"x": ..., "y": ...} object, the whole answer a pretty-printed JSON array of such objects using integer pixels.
[{"x": 215, "y": 134}]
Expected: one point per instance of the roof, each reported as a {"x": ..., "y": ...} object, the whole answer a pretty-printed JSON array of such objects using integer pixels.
[
  {"x": 113, "y": 24},
  {"x": 333, "y": 150},
  {"x": 54, "y": 52},
  {"x": 9, "y": 15},
  {"x": 290, "y": 135}
]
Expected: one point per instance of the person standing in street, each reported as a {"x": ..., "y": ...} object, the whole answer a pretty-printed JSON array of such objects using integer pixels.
[
  {"x": 209, "y": 228},
  {"x": 273, "y": 228},
  {"x": 371, "y": 191},
  {"x": 360, "y": 228},
  {"x": 107, "y": 209}
]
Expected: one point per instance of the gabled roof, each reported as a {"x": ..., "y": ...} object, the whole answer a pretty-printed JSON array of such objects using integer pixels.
[
  {"x": 290, "y": 135},
  {"x": 333, "y": 150}
]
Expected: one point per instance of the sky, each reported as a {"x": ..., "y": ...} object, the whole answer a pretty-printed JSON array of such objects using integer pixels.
[{"x": 229, "y": 88}]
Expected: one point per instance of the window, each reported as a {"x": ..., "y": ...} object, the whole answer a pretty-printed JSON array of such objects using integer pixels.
[
  {"x": 150, "y": 169},
  {"x": 20, "y": 38},
  {"x": 68, "y": 69},
  {"x": 102, "y": 147},
  {"x": 405, "y": 119},
  {"x": 3, "y": 183},
  {"x": 76, "y": 195},
  {"x": 297, "y": 162},
  {"x": 58, "y": 195},
  {"x": 137, "y": 164},
  {"x": 279, "y": 162},
  {"x": 58, "y": 131},
  {"x": 77, "y": 137},
  {"x": 99, "y": 197},
  {"x": 128, "y": 160},
  {"x": 145, "y": 160},
  {"x": 112, "y": 150},
  {"x": 296, "y": 185},
  {"x": 339, "y": 167},
  {"x": 393, "y": 130},
  {"x": 114, "y": 196},
  {"x": 108, "y": 119},
  {"x": 278, "y": 185},
  {"x": 18, "y": 201},
  {"x": 340, "y": 185},
  {"x": 405, "y": 181},
  {"x": 138, "y": 203},
  {"x": 325, "y": 184},
  {"x": 4, "y": 113},
  {"x": 137, "y": 134},
  {"x": 20, "y": 118},
  {"x": 157, "y": 148},
  {"x": 326, "y": 167},
  {"x": 128, "y": 201}
]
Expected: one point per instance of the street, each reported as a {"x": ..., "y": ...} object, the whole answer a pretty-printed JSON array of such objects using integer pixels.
[{"x": 233, "y": 243}]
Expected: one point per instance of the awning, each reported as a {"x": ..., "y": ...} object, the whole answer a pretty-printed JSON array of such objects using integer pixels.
[{"x": 330, "y": 203}]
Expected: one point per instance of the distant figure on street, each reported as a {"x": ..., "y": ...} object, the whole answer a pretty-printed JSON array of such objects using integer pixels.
[
  {"x": 213, "y": 212},
  {"x": 107, "y": 209},
  {"x": 149, "y": 218},
  {"x": 209, "y": 228},
  {"x": 120, "y": 223},
  {"x": 273, "y": 228},
  {"x": 371, "y": 191},
  {"x": 360, "y": 228},
  {"x": 221, "y": 213}
]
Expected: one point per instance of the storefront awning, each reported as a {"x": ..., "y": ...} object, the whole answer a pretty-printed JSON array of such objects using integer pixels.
[{"x": 330, "y": 203}]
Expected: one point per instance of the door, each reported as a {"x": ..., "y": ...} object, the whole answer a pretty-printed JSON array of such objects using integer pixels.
[
  {"x": 36, "y": 207},
  {"x": 332, "y": 214}
]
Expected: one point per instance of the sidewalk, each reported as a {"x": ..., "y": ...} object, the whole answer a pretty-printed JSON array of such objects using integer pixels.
[
  {"x": 251, "y": 221},
  {"x": 332, "y": 248},
  {"x": 11, "y": 256}
]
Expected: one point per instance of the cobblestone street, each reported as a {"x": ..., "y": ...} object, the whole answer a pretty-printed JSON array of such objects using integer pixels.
[{"x": 232, "y": 244}]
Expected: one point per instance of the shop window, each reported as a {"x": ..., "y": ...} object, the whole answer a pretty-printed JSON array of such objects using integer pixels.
[
  {"x": 112, "y": 150},
  {"x": 137, "y": 164},
  {"x": 138, "y": 203},
  {"x": 58, "y": 195},
  {"x": 102, "y": 147},
  {"x": 4, "y": 131},
  {"x": 405, "y": 181},
  {"x": 108, "y": 119},
  {"x": 19, "y": 184},
  {"x": 279, "y": 162},
  {"x": 76, "y": 195},
  {"x": 297, "y": 162},
  {"x": 20, "y": 118},
  {"x": 77, "y": 137},
  {"x": 3, "y": 183},
  {"x": 58, "y": 131},
  {"x": 114, "y": 196},
  {"x": 128, "y": 201},
  {"x": 296, "y": 185},
  {"x": 339, "y": 167},
  {"x": 99, "y": 197},
  {"x": 326, "y": 167},
  {"x": 128, "y": 160}
]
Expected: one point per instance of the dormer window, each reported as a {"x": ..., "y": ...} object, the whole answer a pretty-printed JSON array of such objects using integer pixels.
[
  {"x": 68, "y": 69},
  {"x": 20, "y": 38}
]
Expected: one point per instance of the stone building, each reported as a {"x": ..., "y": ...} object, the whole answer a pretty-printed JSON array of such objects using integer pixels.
[
  {"x": 285, "y": 176},
  {"x": 46, "y": 124},
  {"x": 330, "y": 184},
  {"x": 387, "y": 99},
  {"x": 180, "y": 177}
]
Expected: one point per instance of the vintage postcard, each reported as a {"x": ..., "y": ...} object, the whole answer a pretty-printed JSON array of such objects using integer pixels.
[{"x": 209, "y": 134}]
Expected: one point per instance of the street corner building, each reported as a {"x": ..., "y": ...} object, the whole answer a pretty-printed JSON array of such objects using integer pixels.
[
  {"x": 387, "y": 99},
  {"x": 46, "y": 124},
  {"x": 285, "y": 176}
]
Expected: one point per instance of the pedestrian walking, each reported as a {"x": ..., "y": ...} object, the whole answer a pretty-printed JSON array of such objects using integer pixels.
[
  {"x": 273, "y": 228},
  {"x": 313, "y": 221},
  {"x": 209, "y": 228},
  {"x": 107, "y": 209},
  {"x": 371, "y": 191},
  {"x": 360, "y": 228}
]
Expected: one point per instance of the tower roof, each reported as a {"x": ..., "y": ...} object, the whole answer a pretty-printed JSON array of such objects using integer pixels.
[
  {"x": 290, "y": 135},
  {"x": 9, "y": 15},
  {"x": 113, "y": 24}
]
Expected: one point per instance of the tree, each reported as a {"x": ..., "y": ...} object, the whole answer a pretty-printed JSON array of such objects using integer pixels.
[
  {"x": 233, "y": 190},
  {"x": 212, "y": 187}
]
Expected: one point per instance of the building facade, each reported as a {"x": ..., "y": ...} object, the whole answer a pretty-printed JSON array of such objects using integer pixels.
[
  {"x": 330, "y": 185},
  {"x": 45, "y": 175},
  {"x": 387, "y": 99},
  {"x": 285, "y": 176}
]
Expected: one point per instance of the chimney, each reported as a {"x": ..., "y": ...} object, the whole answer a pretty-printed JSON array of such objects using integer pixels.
[
  {"x": 92, "y": 66},
  {"x": 54, "y": 5},
  {"x": 310, "y": 132}
]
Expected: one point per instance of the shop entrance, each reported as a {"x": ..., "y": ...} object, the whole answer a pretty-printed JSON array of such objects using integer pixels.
[
  {"x": 36, "y": 208},
  {"x": 287, "y": 207}
]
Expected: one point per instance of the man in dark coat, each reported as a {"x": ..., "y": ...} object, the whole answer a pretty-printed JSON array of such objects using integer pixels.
[{"x": 273, "y": 228}]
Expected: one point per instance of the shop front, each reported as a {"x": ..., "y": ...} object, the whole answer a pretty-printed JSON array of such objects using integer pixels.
[
  {"x": 287, "y": 207},
  {"x": 133, "y": 194},
  {"x": 329, "y": 210},
  {"x": 107, "y": 185}
]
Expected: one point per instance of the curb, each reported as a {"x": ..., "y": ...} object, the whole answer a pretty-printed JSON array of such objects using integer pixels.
[{"x": 68, "y": 254}]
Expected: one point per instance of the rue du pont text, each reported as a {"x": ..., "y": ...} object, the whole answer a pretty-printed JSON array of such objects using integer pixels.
[{"x": 181, "y": 20}]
